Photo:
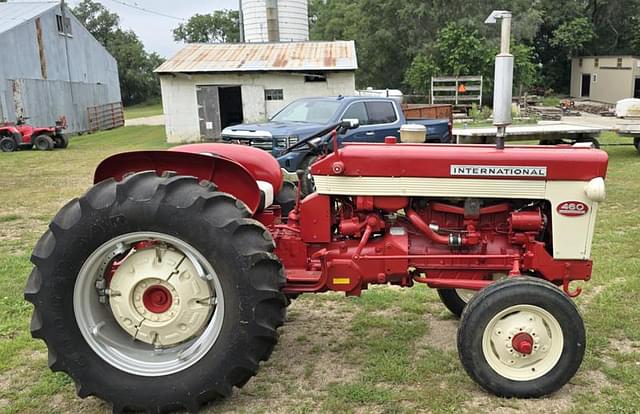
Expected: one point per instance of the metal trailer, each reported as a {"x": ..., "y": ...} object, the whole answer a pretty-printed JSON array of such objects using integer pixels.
[{"x": 546, "y": 134}]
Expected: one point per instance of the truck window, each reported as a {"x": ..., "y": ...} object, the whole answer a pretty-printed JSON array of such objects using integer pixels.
[
  {"x": 357, "y": 111},
  {"x": 381, "y": 113},
  {"x": 319, "y": 111}
]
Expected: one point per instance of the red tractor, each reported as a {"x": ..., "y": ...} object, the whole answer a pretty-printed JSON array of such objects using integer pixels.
[
  {"x": 20, "y": 135},
  {"x": 163, "y": 286}
]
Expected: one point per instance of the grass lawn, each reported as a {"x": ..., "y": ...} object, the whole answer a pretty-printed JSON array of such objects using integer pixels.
[
  {"x": 143, "y": 110},
  {"x": 390, "y": 351}
]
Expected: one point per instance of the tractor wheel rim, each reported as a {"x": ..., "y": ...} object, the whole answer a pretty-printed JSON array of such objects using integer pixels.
[
  {"x": 522, "y": 342},
  {"x": 139, "y": 326}
]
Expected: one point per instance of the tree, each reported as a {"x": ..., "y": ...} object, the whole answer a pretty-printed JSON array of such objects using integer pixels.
[
  {"x": 138, "y": 82},
  {"x": 221, "y": 26},
  {"x": 573, "y": 36}
]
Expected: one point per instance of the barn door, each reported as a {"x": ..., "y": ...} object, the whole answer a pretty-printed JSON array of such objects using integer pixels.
[{"x": 208, "y": 112}]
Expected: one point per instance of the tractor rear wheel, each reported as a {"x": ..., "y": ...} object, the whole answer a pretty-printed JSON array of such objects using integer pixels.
[
  {"x": 8, "y": 144},
  {"x": 156, "y": 293},
  {"x": 521, "y": 337},
  {"x": 61, "y": 141},
  {"x": 44, "y": 143}
]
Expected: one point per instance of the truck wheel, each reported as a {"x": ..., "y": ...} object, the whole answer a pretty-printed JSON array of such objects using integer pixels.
[
  {"x": 44, "y": 143},
  {"x": 307, "y": 186},
  {"x": 8, "y": 144},
  {"x": 156, "y": 293},
  {"x": 521, "y": 337},
  {"x": 61, "y": 141},
  {"x": 286, "y": 198}
]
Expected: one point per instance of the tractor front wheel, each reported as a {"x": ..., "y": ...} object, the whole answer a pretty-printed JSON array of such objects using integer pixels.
[
  {"x": 521, "y": 337},
  {"x": 44, "y": 143},
  {"x": 636, "y": 143},
  {"x": 156, "y": 293},
  {"x": 8, "y": 144}
]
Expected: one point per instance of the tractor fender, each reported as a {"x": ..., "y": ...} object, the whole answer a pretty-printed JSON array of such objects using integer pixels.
[
  {"x": 260, "y": 163},
  {"x": 230, "y": 176}
]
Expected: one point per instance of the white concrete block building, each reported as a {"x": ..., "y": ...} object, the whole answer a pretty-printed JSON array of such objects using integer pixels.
[{"x": 207, "y": 87}]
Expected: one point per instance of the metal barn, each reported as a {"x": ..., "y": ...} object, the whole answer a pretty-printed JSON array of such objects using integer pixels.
[
  {"x": 207, "y": 87},
  {"x": 52, "y": 66}
]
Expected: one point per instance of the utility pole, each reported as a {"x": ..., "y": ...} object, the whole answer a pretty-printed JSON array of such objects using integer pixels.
[{"x": 503, "y": 77}]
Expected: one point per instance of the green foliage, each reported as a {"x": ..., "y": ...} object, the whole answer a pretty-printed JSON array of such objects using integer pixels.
[
  {"x": 400, "y": 44},
  {"x": 138, "y": 82},
  {"x": 573, "y": 36},
  {"x": 479, "y": 114},
  {"x": 221, "y": 26}
]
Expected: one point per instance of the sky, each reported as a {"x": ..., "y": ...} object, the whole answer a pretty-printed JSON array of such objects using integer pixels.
[{"x": 154, "y": 30}]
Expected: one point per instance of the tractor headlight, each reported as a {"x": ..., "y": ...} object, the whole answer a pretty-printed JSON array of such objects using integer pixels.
[{"x": 595, "y": 190}]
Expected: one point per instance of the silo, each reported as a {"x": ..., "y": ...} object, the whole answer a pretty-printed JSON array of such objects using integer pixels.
[{"x": 275, "y": 20}]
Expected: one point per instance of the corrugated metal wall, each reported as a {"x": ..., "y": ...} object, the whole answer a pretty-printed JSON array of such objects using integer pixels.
[{"x": 39, "y": 83}]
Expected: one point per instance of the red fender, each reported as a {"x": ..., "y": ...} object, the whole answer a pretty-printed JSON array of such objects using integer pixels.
[
  {"x": 230, "y": 176},
  {"x": 260, "y": 163}
]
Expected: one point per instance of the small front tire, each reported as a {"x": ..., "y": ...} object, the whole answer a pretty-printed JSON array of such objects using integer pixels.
[
  {"x": 44, "y": 143},
  {"x": 61, "y": 141},
  {"x": 521, "y": 337}
]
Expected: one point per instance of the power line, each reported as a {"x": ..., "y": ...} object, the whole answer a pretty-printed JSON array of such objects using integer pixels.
[{"x": 138, "y": 7}]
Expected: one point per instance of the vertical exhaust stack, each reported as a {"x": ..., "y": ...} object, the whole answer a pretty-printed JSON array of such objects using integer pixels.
[{"x": 503, "y": 77}]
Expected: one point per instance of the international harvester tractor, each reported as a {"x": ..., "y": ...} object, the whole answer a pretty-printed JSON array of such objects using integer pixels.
[{"x": 163, "y": 286}]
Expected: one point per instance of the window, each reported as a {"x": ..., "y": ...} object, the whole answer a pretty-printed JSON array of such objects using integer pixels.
[
  {"x": 312, "y": 77},
  {"x": 596, "y": 62},
  {"x": 381, "y": 113},
  {"x": 320, "y": 111},
  {"x": 619, "y": 62},
  {"x": 273, "y": 94},
  {"x": 357, "y": 111},
  {"x": 64, "y": 25},
  {"x": 580, "y": 62}
]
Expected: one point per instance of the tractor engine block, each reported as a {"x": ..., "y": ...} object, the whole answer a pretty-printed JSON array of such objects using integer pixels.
[{"x": 462, "y": 243}]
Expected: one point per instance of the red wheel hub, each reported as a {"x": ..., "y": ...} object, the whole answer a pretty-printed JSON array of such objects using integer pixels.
[
  {"x": 157, "y": 299},
  {"x": 523, "y": 343}
]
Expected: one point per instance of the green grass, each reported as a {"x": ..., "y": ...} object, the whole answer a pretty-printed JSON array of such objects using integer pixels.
[
  {"x": 551, "y": 101},
  {"x": 143, "y": 110},
  {"x": 390, "y": 351}
]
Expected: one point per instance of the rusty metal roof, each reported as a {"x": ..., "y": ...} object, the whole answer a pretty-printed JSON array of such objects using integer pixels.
[
  {"x": 252, "y": 57},
  {"x": 14, "y": 14}
]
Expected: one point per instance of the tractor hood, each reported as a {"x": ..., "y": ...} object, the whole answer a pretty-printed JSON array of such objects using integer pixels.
[{"x": 465, "y": 161}]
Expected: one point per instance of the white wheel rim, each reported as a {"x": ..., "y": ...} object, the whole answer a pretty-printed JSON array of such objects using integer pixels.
[
  {"x": 541, "y": 327},
  {"x": 105, "y": 329}
]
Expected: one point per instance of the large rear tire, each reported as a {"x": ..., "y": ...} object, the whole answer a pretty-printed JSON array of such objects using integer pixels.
[
  {"x": 156, "y": 233},
  {"x": 521, "y": 337},
  {"x": 8, "y": 144}
]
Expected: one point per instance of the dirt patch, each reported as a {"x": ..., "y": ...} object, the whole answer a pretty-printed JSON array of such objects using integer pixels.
[
  {"x": 311, "y": 354},
  {"x": 592, "y": 382},
  {"x": 441, "y": 334},
  {"x": 624, "y": 346}
]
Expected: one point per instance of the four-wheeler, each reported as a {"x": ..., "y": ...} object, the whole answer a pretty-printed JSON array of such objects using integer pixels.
[
  {"x": 163, "y": 286},
  {"x": 22, "y": 136}
]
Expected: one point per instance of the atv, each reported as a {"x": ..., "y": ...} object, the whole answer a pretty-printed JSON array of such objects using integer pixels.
[{"x": 22, "y": 136}]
